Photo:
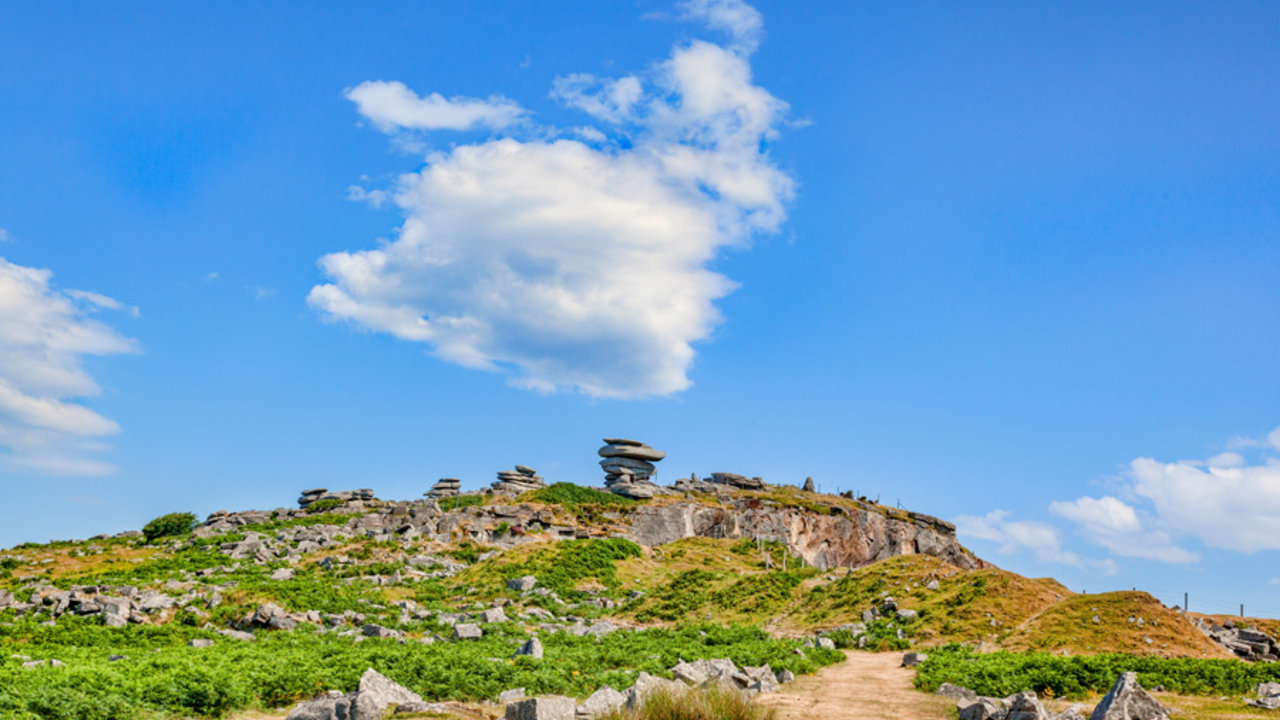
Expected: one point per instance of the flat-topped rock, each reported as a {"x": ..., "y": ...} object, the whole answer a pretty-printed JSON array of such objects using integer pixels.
[
  {"x": 637, "y": 452},
  {"x": 622, "y": 441}
]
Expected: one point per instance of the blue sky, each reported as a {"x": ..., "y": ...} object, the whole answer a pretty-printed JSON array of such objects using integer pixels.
[{"x": 1016, "y": 266}]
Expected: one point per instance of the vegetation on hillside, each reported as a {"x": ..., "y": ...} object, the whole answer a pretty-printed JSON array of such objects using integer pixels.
[{"x": 999, "y": 674}]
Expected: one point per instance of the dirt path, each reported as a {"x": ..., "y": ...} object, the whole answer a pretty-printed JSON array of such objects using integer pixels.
[{"x": 866, "y": 686}]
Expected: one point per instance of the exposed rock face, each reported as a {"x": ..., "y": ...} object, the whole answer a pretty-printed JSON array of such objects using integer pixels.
[
  {"x": 1128, "y": 701},
  {"x": 850, "y": 539}
]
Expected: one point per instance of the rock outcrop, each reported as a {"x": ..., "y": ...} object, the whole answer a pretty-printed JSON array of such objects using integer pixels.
[
  {"x": 521, "y": 480},
  {"x": 845, "y": 538},
  {"x": 445, "y": 488},
  {"x": 629, "y": 467},
  {"x": 316, "y": 495},
  {"x": 1248, "y": 643}
]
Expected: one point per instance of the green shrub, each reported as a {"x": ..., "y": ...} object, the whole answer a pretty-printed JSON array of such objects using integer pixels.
[
  {"x": 171, "y": 525},
  {"x": 324, "y": 505},
  {"x": 1001, "y": 673},
  {"x": 568, "y": 494}
]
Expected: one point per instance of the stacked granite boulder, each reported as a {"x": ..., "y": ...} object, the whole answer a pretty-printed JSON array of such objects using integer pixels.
[
  {"x": 445, "y": 487},
  {"x": 318, "y": 494},
  {"x": 629, "y": 467},
  {"x": 521, "y": 480}
]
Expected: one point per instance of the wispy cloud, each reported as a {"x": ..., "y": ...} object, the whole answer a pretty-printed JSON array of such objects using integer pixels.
[{"x": 44, "y": 334}]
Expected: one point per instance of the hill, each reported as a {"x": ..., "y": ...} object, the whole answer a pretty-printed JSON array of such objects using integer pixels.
[{"x": 441, "y": 594}]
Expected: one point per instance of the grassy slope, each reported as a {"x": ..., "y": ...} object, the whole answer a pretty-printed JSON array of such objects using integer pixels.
[{"x": 1069, "y": 625}]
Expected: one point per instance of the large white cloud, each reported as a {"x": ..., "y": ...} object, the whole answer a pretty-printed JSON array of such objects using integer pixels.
[
  {"x": 578, "y": 265},
  {"x": 1226, "y": 501},
  {"x": 44, "y": 334},
  {"x": 1016, "y": 536}
]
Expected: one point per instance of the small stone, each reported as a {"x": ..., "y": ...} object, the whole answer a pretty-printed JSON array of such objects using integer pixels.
[
  {"x": 913, "y": 659},
  {"x": 532, "y": 648},
  {"x": 200, "y": 643},
  {"x": 467, "y": 631}
]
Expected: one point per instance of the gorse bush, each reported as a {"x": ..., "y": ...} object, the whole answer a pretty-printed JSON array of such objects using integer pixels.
[
  {"x": 712, "y": 703},
  {"x": 171, "y": 525},
  {"x": 1002, "y": 673}
]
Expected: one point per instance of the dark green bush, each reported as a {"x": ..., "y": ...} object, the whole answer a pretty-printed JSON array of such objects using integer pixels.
[{"x": 171, "y": 525}]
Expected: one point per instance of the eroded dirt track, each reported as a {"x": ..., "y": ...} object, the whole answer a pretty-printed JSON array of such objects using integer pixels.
[{"x": 866, "y": 686}]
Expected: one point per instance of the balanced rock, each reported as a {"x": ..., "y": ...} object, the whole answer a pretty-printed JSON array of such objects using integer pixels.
[
  {"x": 521, "y": 480},
  {"x": 629, "y": 468},
  {"x": 445, "y": 487}
]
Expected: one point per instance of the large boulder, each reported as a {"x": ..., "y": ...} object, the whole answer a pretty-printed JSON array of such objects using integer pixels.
[
  {"x": 543, "y": 707},
  {"x": 384, "y": 692},
  {"x": 602, "y": 701},
  {"x": 1128, "y": 701}
]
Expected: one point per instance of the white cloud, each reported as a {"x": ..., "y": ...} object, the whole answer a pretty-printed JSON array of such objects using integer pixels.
[
  {"x": 1226, "y": 502},
  {"x": 742, "y": 22},
  {"x": 1039, "y": 539},
  {"x": 44, "y": 334},
  {"x": 1115, "y": 525},
  {"x": 4, "y": 235},
  {"x": 391, "y": 106},
  {"x": 607, "y": 99},
  {"x": 375, "y": 198},
  {"x": 571, "y": 266}
]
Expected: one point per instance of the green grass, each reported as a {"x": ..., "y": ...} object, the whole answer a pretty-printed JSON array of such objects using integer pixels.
[
  {"x": 565, "y": 564},
  {"x": 1002, "y": 673},
  {"x": 568, "y": 494}
]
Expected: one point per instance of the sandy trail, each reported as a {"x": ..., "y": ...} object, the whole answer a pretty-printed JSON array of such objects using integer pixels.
[{"x": 866, "y": 686}]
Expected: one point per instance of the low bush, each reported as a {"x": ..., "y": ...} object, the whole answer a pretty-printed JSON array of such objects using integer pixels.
[
  {"x": 1002, "y": 673},
  {"x": 171, "y": 525}
]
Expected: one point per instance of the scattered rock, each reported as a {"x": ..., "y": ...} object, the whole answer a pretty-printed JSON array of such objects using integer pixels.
[
  {"x": 467, "y": 631},
  {"x": 200, "y": 643}
]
